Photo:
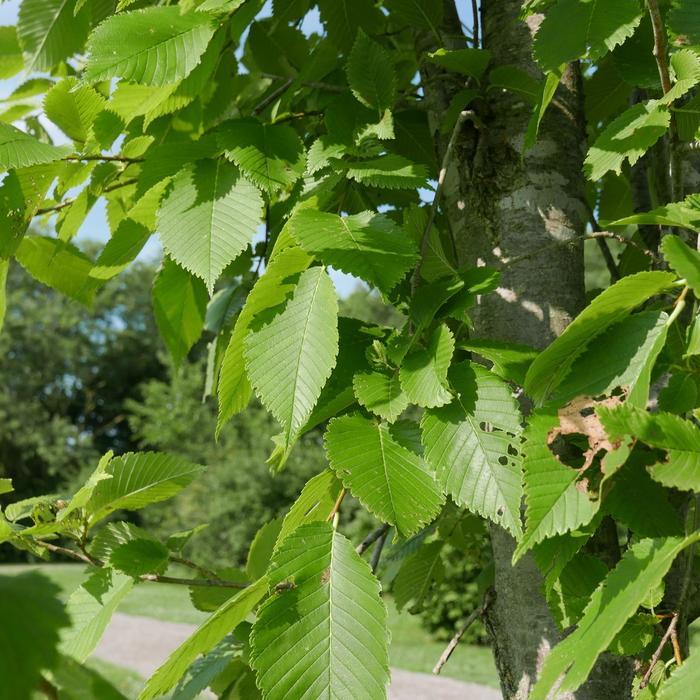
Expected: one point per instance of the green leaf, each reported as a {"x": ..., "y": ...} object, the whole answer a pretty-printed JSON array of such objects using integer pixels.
[
  {"x": 471, "y": 445},
  {"x": 419, "y": 572},
  {"x": 510, "y": 360},
  {"x": 572, "y": 29},
  {"x": 208, "y": 218},
  {"x": 389, "y": 480},
  {"x": 179, "y": 305},
  {"x": 204, "y": 672},
  {"x": 612, "y": 306},
  {"x": 338, "y": 617},
  {"x": 380, "y": 393},
  {"x": 390, "y": 172},
  {"x": 627, "y": 138},
  {"x": 666, "y": 431},
  {"x": 121, "y": 249},
  {"x": 271, "y": 155},
  {"x": 417, "y": 13},
  {"x": 112, "y": 536},
  {"x": 91, "y": 607},
  {"x": 77, "y": 682},
  {"x": 11, "y": 61},
  {"x": 684, "y": 20},
  {"x": 154, "y": 46},
  {"x": 4, "y": 269},
  {"x": 32, "y": 616},
  {"x": 685, "y": 680},
  {"x": 19, "y": 150},
  {"x": 269, "y": 291},
  {"x": 683, "y": 260},
  {"x": 470, "y": 62},
  {"x": 617, "y": 598},
  {"x": 342, "y": 19},
  {"x": 208, "y": 599},
  {"x": 314, "y": 504},
  {"x": 289, "y": 359},
  {"x": 6, "y": 486},
  {"x": 50, "y": 31},
  {"x": 554, "y": 502},
  {"x": 207, "y": 636},
  {"x": 371, "y": 73},
  {"x": 73, "y": 108},
  {"x": 140, "y": 556},
  {"x": 139, "y": 479},
  {"x": 685, "y": 214},
  {"x": 545, "y": 96},
  {"x": 84, "y": 493},
  {"x": 58, "y": 265},
  {"x": 368, "y": 245},
  {"x": 261, "y": 549},
  {"x": 622, "y": 356},
  {"x": 568, "y": 597},
  {"x": 424, "y": 372}
]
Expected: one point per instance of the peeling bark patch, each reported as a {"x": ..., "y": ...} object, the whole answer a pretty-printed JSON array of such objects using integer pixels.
[{"x": 579, "y": 426}]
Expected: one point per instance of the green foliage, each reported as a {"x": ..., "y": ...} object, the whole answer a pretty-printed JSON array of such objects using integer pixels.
[
  {"x": 266, "y": 156},
  {"x": 319, "y": 645}
]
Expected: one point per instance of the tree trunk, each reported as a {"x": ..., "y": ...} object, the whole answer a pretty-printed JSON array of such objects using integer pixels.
[{"x": 502, "y": 203}]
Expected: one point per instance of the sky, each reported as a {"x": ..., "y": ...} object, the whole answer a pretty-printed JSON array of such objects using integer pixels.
[{"x": 95, "y": 225}]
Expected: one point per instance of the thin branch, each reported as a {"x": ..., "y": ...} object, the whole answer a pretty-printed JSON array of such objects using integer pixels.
[
  {"x": 115, "y": 159},
  {"x": 337, "y": 505},
  {"x": 68, "y": 202},
  {"x": 444, "y": 658},
  {"x": 475, "y": 24},
  {"x": 55, "y": 549},
  {"x": 377, "y": 553},
  {"x": 278, "y": 92},
  {"x": 604, "y": 249},
  {"x": 203, "y": 582},
  {"x": 314, "y": 84},
  {"x": 425, "y": 241},
  {"x": 372, "y": 538},
  {"x": 207, "y": 573},
  {"x": 670, "y": 630}
]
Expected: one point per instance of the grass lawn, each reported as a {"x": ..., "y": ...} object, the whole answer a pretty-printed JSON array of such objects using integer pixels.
[{"x": 411, "y": 647}]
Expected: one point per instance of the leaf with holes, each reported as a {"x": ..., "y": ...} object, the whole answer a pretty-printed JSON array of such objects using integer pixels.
[
  {"x": 289, "y": 359},
  {"x": 338, "y": 618},
  {"x": 389, "y": 480},
  {"x": 471, "y": 445},
  {"x": 208, "y": 218}
]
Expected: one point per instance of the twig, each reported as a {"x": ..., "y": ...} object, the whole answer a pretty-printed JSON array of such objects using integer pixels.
[
  {"x": 116, "y": 159},
  {"x": 267, "y": 101},
  {"x": 337, "y": 505},
  {"x": 677, "y": 655},
  {"x": 377, "y": 553},
  {"x": 444, "y": 658},
  {"x": 314, "y": 84},
  {"x": 203, "y": 582},
  {"x": 425, "y": 240},
  {"x": 55, "y": 549},
  {"x": 660, "y": 52},
  {"x": 670, "y": 630},
  {"x": 371, "y": 538},
  {"x": 604, "y": 249},
  {"x": 208, "y": 573},
  {"x": 475, "y": 24},
  {"x": 68, "y": 202}
]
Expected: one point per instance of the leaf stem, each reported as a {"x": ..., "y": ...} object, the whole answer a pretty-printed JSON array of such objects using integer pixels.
[
  {"x": 678, "y": 306},
  {"x": 336, "y": 507},
  {"x": 670, "y": 630}
]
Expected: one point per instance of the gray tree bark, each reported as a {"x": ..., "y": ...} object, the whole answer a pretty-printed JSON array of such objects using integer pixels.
[{"x": 502, "y": 203}]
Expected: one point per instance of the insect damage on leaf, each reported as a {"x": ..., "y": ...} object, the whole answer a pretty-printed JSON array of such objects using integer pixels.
[{"x": 580, "y": 438}]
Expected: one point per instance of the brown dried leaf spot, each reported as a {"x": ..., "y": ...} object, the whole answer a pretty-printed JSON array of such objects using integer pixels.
[{"x": 578, "y": 417}]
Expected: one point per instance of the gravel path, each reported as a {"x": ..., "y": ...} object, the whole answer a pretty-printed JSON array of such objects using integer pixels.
[{"x": 142, "y": 644}]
